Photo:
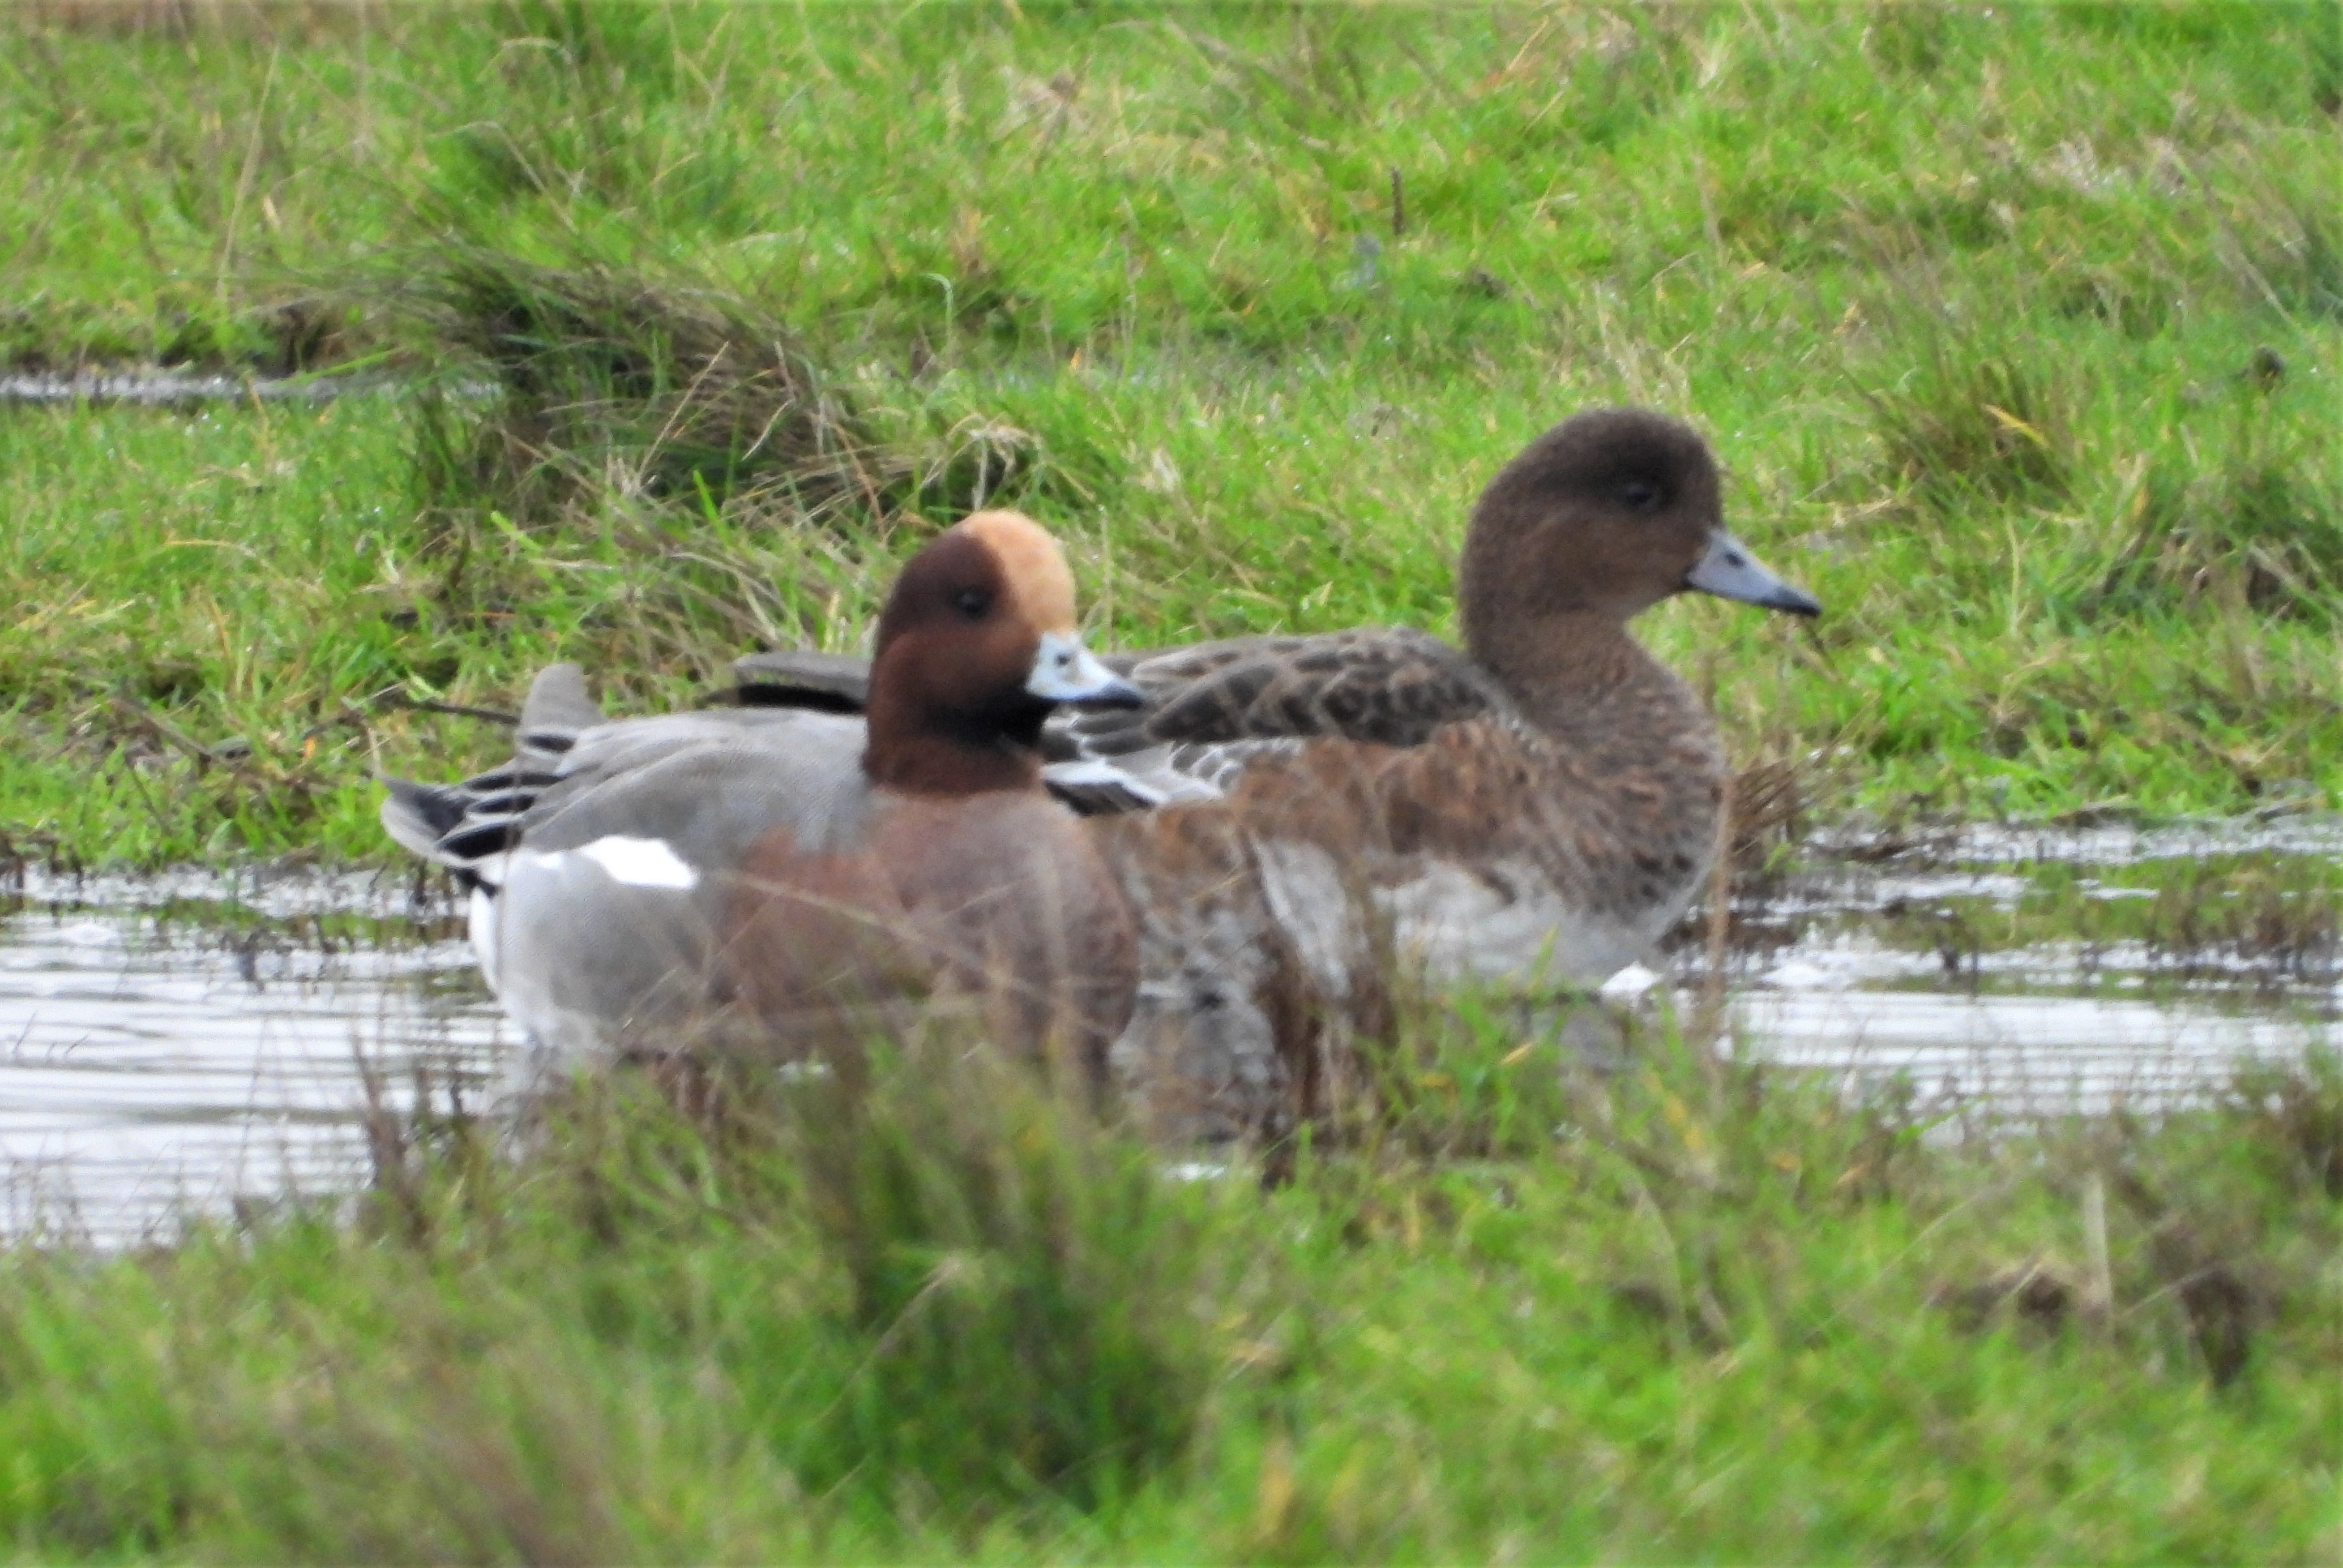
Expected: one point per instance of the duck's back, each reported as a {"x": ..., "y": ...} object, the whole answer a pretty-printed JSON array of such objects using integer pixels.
[{"x": 603, "y": 921}]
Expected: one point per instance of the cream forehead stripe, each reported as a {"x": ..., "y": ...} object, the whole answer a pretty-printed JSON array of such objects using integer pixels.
[{"x": 1031, "y": 563}]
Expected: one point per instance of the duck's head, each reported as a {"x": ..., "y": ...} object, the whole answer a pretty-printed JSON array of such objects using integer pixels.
[
  {"x": 1607, "y": 513},
  {"x": 976, "y": 645}
]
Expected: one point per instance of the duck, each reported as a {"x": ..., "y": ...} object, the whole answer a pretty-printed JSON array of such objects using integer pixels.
[
  {"x": 801, "y": 877},
  {"x": 1558, "y": 784},
  {"x": 1296, "y": 820}
]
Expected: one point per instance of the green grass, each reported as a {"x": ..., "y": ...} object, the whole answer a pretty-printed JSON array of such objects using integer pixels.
[
  {"x": 1725, "y": 1316},
  {"x": 2016, "y": 332},
  {"x": 2016, "y": 329}
]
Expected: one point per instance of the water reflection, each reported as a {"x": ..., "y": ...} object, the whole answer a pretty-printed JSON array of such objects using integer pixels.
[
  {"x": 172, "y": 1044},
  {"x": 2046, "y": 969}
]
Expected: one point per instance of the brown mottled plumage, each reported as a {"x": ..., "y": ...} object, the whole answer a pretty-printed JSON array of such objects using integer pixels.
[{"x": 1535, "y": 811}]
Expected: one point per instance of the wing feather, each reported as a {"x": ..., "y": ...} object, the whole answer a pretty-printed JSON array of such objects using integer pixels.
[{"x": 1213, "y": 708}]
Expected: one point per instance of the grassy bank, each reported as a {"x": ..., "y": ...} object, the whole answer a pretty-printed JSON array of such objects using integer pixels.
[
  {"x": 1726, "y": 1316},
  {"x": 2016, "y": 331}
]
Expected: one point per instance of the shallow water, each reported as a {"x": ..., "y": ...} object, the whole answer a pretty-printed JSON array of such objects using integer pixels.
[
  {"x": 181, "y": 1043},
  {"x": 170, "y": 388},
  {"x": 195, "y": 1041},
  {"x": 2044, "y": 969}
]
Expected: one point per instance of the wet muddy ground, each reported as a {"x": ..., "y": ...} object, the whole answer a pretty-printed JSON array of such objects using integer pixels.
[{"x": 200, "y": 1039}]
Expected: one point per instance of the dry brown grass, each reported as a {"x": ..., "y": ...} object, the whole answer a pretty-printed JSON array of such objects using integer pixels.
[{"x": 609, "y": 380}]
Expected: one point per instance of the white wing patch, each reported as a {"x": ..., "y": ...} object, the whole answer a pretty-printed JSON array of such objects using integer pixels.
[
  {"x": 629, "y": 861},
  {"x": 1090, "y": 773},
  {"x": 483, "y": 925},
  {"x": 641, "y": 862}
]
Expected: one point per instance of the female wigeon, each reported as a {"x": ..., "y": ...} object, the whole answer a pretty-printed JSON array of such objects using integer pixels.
[
  {"x": 1537, "y": 807},
  {"x": 1535, "y": 811},
  {"x": 809, "y": 873}
]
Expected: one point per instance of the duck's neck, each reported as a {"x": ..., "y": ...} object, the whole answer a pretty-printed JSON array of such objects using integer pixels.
[
  {"x": 922, "y": 753},
  {"x": 1643, "y": 766},
  {"x": 1579, "y": 676}
]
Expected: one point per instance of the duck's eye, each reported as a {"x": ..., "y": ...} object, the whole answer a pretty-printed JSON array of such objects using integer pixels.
[
  {"x": 1640, "y": 495},
  {"x": 972, "y": 602}
]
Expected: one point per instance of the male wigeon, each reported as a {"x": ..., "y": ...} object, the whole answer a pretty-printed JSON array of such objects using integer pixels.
[
  {"x": 802, "y": 871},
  {"x": 1538, "y": 806}
]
